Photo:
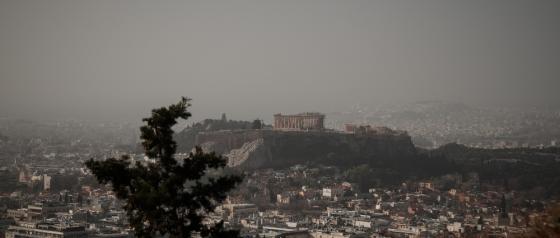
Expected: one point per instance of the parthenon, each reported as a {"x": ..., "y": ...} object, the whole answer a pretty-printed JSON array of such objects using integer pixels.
[{"x": 303, "y": 121}]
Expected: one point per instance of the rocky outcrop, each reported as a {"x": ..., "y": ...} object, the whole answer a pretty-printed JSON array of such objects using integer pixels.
[
  {"x": 333, "y": 148},
  {"x": 222, "y": 142},
  {"x": 269, "y": 148},
  {"x": 251, "y": 149},
  {"x": 187, "y": 137}
]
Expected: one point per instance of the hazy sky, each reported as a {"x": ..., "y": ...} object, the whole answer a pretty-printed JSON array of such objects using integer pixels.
[{"x": 115, "y": 60}]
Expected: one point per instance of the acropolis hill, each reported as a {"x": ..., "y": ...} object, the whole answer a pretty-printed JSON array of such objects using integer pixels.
[{"x": 297, "y": 139}]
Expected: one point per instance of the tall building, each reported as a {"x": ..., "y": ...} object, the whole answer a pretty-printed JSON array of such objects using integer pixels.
[{"x": 301, "y": 122}]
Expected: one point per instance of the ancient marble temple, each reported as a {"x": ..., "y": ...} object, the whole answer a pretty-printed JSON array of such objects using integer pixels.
[{"x": 303, "y": 121}]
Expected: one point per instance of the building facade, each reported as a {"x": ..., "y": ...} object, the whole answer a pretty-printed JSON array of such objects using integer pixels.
[
  {"x": 303, "y": 121},
  {"x": 33, "y": 230}
]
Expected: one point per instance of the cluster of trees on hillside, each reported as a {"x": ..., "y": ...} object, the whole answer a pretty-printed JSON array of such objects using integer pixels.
[
  {"x": 521, "y": 169},
  {"x": 393, "y": 172},
  {"x": 534, "y": 171}
]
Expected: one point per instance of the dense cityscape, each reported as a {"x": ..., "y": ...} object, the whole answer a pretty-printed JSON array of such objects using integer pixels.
[{"x": 47, "y": 191}]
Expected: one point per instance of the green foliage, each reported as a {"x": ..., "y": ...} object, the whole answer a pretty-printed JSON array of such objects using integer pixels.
[
  {"x": 172, "y": 196},
  {"x": 61, "y": 182},
  {"x": 521, "y": 169},
  {"x": 257, "y": 124},
  {"x": 363, "y": 175}
]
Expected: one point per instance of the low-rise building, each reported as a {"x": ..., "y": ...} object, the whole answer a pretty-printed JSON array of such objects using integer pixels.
[{"x": 39, "y": 230}]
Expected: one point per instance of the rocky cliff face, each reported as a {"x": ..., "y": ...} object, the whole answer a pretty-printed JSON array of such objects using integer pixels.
[
  {"x": 248, "y": 155},
  {"x": 187, "y": 137},
  {"x": 268, "y": 148}
]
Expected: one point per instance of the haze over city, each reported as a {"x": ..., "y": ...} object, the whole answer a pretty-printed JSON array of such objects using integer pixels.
[
  {"x": 115, "y": 60},
  {"x": 280, "y": 119}
]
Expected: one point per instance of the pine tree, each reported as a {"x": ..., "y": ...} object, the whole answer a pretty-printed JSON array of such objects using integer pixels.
[{"x": 172, "y": 196}]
